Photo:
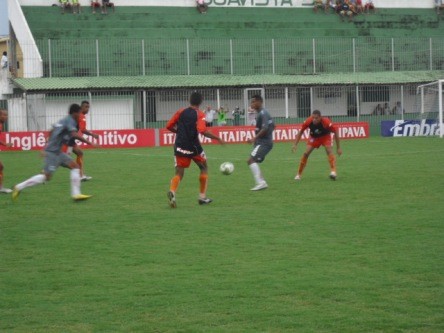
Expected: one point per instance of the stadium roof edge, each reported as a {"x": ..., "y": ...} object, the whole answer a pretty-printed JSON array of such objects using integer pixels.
[{"x": 207, "y": 81}]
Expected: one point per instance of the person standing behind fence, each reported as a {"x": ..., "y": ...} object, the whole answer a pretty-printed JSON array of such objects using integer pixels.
[
  {"x": 320, "y": 135},
  {"x": 64, "y": 4},
  {"x": 94, "y": 5},
  {"x": 55, "y": 157},
  {"x": 73, "y": 147},
  {"x": 209, "y": 115},
  {"x": 3, "y": 119}
]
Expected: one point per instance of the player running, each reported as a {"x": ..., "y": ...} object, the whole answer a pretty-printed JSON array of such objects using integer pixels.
[
  {"x": 3, "y": 118},
  {"x": 73, "y": 147},
  {"x": 263, "y": 141},
  {"x": 188, "y": 123},
  {"x": 320, "y": 135},
  {"x": 55, "y": 157}
]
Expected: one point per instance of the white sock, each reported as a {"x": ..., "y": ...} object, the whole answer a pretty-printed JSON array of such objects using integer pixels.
[
  {"x": 254, "y": 167},
  {"x": 75, "y": 182},
  {"x": 36, "y": 180}
]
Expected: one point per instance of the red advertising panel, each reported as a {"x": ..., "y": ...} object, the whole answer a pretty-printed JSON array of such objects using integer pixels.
[
  {"x": 107, "y": 139},
  {"x": 282, "y": 133}
]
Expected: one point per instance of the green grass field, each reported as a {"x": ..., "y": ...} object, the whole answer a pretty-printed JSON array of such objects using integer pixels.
[{"x": 362, "y": 254}]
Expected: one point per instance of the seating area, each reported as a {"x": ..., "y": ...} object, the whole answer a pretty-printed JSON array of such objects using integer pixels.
[{"x": 246, "y": 33}]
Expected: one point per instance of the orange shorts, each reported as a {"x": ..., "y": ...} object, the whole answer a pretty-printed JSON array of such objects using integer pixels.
[
  {"x": 184, "y": 162},
  {"x": 324, "y": 140}
]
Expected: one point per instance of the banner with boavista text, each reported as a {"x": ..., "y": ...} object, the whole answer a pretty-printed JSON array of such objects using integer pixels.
[{"x": 163, "y": 137}]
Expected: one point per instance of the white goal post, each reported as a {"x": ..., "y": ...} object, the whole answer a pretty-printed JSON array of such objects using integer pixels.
[{"x": 431, "y": 104}]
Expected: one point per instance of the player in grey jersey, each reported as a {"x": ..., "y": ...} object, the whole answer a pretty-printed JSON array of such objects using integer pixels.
[
  {"x": 54, "y": 157},
  {"x": 263, "y": 141}
]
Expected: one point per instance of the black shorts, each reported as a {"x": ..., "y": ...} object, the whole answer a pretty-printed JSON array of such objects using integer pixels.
[{"x": 260, "y": 151}]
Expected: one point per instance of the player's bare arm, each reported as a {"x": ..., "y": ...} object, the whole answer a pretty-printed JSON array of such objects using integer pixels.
[
  {"x": 298, "y": 138},
  {"x": 76, "y": 136},
  {"x": 210, "y": 135},
  {"x": 3, "y": 143},
  {"x": 338, "y": 145},
  {"x": 260, "y": 134},
  {"x": 94, "y": 135}
]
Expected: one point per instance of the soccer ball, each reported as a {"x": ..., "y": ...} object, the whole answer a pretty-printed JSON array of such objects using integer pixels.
[{"x": 226, "y": 168}]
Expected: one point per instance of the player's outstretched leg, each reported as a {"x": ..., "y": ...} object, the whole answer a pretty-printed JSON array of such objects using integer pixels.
[
  {"x": 203, "y": 183},
  {"x": 302, "y": 165},
  {"x": 75, "y": 185},
  {"x": 35, "y": 180},
  {"x": 261, "y": 184},
  {"x": 174, "y": 184},
  {"x": 3, "y": 189},
  {"x": 332, "y": 162}
]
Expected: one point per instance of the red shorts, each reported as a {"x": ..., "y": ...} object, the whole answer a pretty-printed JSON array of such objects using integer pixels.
[
  {"x": 324, "y": 140},
  {"x": 95, "y": 4},
  {"x": 184, "y": 162}
]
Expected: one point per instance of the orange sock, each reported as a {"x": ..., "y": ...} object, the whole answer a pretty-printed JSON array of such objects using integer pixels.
[
  {"x": 203, "y": 179},
  {"x": 174, "y": 183},
  {"x": 332, "y": 161},
  {"x": 302, "y": 164},
  {"x": 79, "y": 161}
]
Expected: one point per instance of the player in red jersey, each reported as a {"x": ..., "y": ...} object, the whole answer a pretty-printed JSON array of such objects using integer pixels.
[
  {"x": 320, "y": 135},
  {"x": 3, "y": 118},
  {"x": 72, "y": 146},
  {"x": 188, "y": 123}
]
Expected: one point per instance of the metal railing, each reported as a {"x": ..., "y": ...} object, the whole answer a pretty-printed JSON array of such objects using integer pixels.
[
  {"x": 130, "y": 57},
  {"x": 152, "y": 108}
]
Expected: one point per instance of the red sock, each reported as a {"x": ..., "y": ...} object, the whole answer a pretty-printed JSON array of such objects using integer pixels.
[
  {"x": 332, "y": 161},
  {"x": 302, "y": 164},
  {"x": 174, "y": 183},
  {"x": 79, "y": 161},
  {"x": 203, "y": 179}
]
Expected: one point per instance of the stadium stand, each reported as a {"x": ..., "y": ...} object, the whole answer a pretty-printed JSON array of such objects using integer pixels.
[{"x": 165, "y": 29}]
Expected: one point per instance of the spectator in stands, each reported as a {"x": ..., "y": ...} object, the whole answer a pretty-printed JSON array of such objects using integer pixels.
[
  {"x": 387, "y": 110},
  {"x": 4, "y": 61},
  {"x": 105, "y": 5},
  {"x": 369, "y": 6},
  {"x": 76, "y": 6},
  {"x": 221, "y": 116},
  {"x": 338, "y": 6},
  {"x": 359, "y": 7},
  {"x": 65, "y": 5},
  {"x": 397, "y": 109},
  {"x": 346, "y": 11},
  {"x": 378, "y": 110},
  {"x": 209, "y": 115},
  {"x": 439, "y": 5},
  {"x": 202, "y": 7},
  {"x": 94, "y": 5},
  {"x": 319, "y": 4}
]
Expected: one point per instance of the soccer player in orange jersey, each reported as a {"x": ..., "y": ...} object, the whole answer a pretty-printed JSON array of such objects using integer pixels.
[
  {"x": 320, "y": 135},
  {"x": 188, "y": 123},
  {"x": 3, "y": 118},
  {"x": 72, "y": 146}
]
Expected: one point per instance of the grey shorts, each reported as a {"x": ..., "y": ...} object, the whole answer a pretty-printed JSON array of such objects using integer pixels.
[
  {"x": 260, "y": 151},
  {"x": 54, "y": 160}
]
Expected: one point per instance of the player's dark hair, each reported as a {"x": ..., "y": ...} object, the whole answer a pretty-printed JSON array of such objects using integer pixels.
[
  {"x": 317, "y": 112},
  {"x": 257, "y": 98},
  {"x": 74, "y": 108},
  {"x": 84, "y": 102},
  {"x": 196, "y": 98}
]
